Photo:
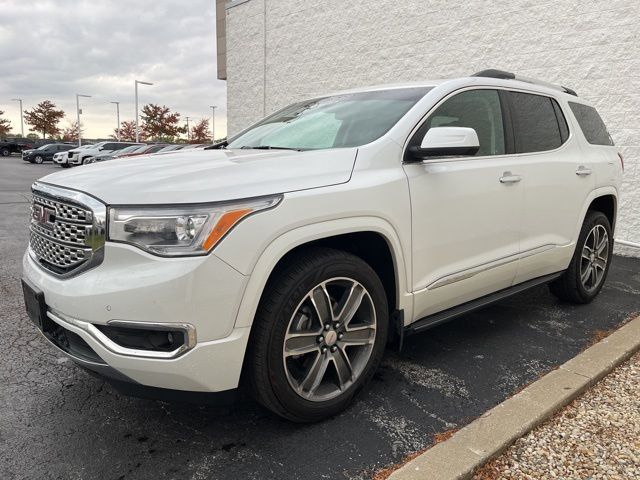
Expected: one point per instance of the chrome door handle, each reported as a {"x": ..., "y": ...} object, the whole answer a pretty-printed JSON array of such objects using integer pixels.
[
  {"x": 508, "y": 177},
  {"x": 583, "y": 171}
]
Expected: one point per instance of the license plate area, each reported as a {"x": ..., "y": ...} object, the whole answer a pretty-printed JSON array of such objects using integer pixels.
[{"x": 36, "y": 306}]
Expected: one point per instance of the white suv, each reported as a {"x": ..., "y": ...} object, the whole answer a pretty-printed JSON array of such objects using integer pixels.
[
  {"x": 82, "y": 155},
  {"x": 286, "y": 261}
]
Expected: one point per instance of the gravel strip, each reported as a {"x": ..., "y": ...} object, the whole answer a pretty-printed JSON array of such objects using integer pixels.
[{"x": 597, "y": 436}]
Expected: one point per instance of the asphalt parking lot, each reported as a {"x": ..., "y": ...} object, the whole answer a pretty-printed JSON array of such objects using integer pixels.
[{"x": 56, "y": 421}]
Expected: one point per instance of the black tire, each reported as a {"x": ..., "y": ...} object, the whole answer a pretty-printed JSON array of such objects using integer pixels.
[
  {"x": 5, "y": 152},
  {"x": 87, "y": 160},
  {"x": 288, "y": 286},
  {"x": 569, "y": 287},
  {"x": 39, "y": 159},
  {"x": 65, "y": 165}
]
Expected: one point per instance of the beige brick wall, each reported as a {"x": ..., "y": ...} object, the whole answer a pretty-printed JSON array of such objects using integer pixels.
[{"x": 279, "y": 51}]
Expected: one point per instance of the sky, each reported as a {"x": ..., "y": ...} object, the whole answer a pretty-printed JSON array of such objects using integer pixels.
[{"x": 55, "y": 49}]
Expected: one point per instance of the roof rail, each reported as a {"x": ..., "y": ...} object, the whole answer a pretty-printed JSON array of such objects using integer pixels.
[{"x": 493, "y": 73}]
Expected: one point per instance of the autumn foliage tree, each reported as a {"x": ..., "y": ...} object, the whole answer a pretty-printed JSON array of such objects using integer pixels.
[
  {"x": 200, "y": 132},
  {"x": 70, "y": 132},
  {"x": 44, "y": 118},
  {"x": 5, "y": 125},
  {"x": 128, "y": 132},
  {"x": 160, "y": 123}
]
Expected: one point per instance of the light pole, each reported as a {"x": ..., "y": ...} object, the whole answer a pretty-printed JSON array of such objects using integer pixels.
[
  {"x": 78, "y": 95},
  {"x": 21, "y": 121},
  {"x": 117, "y": 120},
  {"x": 213, "y": 123},
  {"x": 137, "y": 128},
  {"x": 187, "y": 118}
]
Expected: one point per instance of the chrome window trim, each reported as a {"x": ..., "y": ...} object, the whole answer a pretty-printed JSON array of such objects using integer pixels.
[
  {"x": 90, "y": 329},
  {"x": 464, "y": 158}
]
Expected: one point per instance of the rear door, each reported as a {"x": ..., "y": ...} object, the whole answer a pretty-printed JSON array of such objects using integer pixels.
[
  {"x": 557, "y": 180},
  {"x": 465, "y": 210}
]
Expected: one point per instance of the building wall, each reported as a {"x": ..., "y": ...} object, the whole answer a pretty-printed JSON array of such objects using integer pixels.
[{"x": 279, "y": 51}]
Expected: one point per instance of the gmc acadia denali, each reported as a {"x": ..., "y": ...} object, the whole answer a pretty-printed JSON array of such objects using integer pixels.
[{"x": 286, "y": 260}]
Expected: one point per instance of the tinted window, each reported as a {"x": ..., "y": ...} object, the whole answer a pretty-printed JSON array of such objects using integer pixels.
[
  {"x": 535, "y": 123},
  {"x": 591, "y": 124},
  {"x": 477, "y": 109},
  {"x": 347, "y": 120}
]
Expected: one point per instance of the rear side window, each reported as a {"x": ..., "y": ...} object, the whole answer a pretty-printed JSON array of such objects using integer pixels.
[
  {"x": 536, "y": 122},
  {"x": 594, "y": 129}
]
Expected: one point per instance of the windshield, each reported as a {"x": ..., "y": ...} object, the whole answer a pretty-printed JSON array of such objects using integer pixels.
[{"x": 347, "y": 120}]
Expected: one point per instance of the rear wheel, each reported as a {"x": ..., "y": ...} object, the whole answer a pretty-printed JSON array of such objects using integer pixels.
[
  {"x": 319, "y": 335},
  {"x": 588, "y": 269}
]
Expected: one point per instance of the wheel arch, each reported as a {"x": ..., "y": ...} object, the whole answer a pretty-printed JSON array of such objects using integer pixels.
[
  {"x": 605, "y": 200},
  {"x": 349, "y": 235}
]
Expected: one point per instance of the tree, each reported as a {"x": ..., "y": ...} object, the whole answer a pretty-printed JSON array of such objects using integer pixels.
[
  {"x": 200, "y": 132},
  {"x": 159, "y": 123},
  {"x": 44, "y": 118},
  {"x": 128, "y": 132},
  {"x": 5, "y": 125},
  {"x": 70, "y": 132}
]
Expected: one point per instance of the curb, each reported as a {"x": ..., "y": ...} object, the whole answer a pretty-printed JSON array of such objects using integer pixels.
[{"x": 486, "y": 437}]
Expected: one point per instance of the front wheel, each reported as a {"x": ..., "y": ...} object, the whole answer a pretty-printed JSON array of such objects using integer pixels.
[
  {"x": 65, "y": 165},
  {"x": 5, "y": 152},
  {"x": 318, "y": 336},
  {"x": 588, "y": 269}
]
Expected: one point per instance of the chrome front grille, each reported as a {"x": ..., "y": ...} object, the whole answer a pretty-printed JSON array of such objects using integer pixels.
[{"x": 67, "y": 230}]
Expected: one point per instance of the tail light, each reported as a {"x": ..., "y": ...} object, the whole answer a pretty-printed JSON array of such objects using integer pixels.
[{"x": 621, "y": 160}]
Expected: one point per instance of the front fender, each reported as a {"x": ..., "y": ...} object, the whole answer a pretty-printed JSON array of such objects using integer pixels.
[{"x": 286, "y": 242}]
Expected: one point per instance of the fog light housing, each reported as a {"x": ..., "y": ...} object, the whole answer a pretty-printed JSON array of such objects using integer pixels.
[{"x": 147, "y": 337}]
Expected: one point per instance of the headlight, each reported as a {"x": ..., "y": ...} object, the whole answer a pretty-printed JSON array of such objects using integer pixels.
[{"x": 181, "y": 230}]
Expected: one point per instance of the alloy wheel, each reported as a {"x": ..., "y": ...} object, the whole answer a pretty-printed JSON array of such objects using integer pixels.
[
  {"x": 329, "y": 339},
  {"x": 595, "y": 255}
]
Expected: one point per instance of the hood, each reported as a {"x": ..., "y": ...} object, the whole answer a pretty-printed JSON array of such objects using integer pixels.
[{"x": 199, "y": 176}]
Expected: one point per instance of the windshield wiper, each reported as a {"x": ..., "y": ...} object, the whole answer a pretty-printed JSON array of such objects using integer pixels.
[{"x": 269, "y": 147}]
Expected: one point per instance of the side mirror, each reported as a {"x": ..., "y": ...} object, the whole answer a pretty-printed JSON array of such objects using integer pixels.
[{"x": 447, "y": 141}]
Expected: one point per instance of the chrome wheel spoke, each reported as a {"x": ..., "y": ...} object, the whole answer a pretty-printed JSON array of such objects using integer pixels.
[
  {"x": 602, "y": 245},
  {"x": 343, "y": 368},
  {"x": 586, "y": 274},
  {"x": 586, "y": 253},
  {"x": 322, "y": 304},
  {"x": 594, "y": 277},
  {"x": 600, "y": 264},
  {"x": 314, "y": 375},
  {"x": 301, "y": 343},
  {"x": 364, "y": 335},
  {"x": 351, "y": 304}
]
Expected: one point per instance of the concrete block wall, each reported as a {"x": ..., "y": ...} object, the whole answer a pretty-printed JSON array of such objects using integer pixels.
[{"x": 279, "y": 51}]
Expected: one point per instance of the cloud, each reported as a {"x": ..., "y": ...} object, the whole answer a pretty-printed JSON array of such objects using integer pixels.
[{"x": 55, "y": 49}]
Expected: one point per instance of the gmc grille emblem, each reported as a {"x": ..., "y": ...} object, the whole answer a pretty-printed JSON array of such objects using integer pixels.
[{"x": 44, "y": 216}]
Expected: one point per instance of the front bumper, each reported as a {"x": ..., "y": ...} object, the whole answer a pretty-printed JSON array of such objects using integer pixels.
[
  {"x": 141, "y": 289},
  {"x": 61, "y": 160}
]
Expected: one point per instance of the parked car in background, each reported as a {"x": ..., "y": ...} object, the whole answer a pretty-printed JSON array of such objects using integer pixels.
[
  {"x": 170, "y": 148},
  {"x": 116, "y": 154},
  {"x": 84, "y": 156},
  {"x": 62, "y": 158},
  {"x": 10, "y": 145},
  {"x": 46, "y": 152},
  {"x": 288, "y": 260},
  {"x": 145, "y": 150}
]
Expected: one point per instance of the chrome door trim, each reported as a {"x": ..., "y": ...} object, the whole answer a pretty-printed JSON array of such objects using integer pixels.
[{"x": 470, "y": 272}]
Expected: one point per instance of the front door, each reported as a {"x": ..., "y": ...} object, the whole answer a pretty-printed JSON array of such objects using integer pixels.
[{"x": 465, "y": 210}]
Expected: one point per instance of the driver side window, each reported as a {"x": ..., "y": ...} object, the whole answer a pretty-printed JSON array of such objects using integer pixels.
[{"x": 477, "y": 109}]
